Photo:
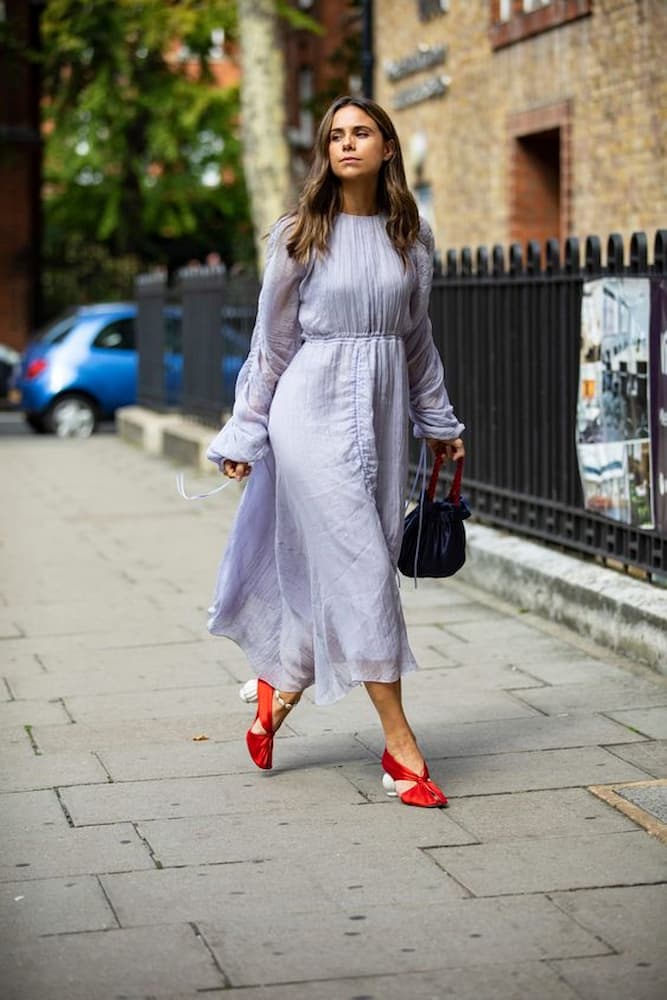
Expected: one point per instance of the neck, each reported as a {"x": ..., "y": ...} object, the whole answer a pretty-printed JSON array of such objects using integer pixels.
[{"x": 360, "y": 199}]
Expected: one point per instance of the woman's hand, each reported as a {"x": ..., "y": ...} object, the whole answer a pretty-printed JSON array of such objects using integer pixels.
[
  {"x": 235, "y": 470},
  {"x": 452, "y": 450}
]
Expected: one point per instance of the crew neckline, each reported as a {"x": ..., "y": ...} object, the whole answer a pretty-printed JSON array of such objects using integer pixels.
[{"x": 353, "y": 215}]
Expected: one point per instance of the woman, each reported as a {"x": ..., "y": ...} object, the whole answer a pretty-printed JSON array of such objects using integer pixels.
[{"x": 341, "y": 354}]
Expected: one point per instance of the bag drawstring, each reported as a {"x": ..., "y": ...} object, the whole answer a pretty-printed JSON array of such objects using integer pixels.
[{"x": 421, "y": 470}]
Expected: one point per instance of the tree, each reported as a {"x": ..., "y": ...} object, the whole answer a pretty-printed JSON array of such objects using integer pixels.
[
  {"x": 142, "y": 157},
  {"x": 265, "y": 148}
]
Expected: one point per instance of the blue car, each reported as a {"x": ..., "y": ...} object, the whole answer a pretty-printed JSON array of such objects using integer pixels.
[{"x": 83, "y": 367}]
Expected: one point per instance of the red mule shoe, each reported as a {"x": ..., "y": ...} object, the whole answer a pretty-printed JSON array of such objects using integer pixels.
[
  {"x": 423, "y": 793},
  {"x": 260, "y": 745}
]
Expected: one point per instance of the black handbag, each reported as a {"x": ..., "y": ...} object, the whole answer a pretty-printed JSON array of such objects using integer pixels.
[{"x": 434, "y": 538}]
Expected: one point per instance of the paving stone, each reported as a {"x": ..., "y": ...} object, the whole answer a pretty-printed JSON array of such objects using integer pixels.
[
  {"x": 104, "y": 708},
  {"x": 508, "y": 735},
  {"x": 614, "y": 977},
  {"x": 603, "y": 697},
  {"x": 499, "y": 631},
  {"x": 13, "y": 736},
  {"x": 52, "y": 906},
  {"x": 468, "y": 706},
  {"x": 43, "y": 853},
  {"x": 208, "y": 758},
  {"x": 218, "y": 892},
  {"x": 501, "y": 982},
  {"x": 31, "y": 713},
  {"x": 631, "y": 920},
  {"x": 473, "y": 932},
  {"x": 456, "y": 677},
  {"x": 284, "y": 831},
  {"x": 210, "y": 796},
  {"x": 107, "y": 965},
  {"x": 118, "y": 678},
  {"x": 178, "y": 730},
  {"x": 25, "y": 811},
  {"x": 66, "y": 617},
  {"x": 562, "y": 813},
  {"x": 21, "y": 769},
  {"x": 650, "y": 756},
  {"x": 575, "y": 670},
  {"x": 495, "y": 774},
  {"x": 650, "y": 722},
  {"x": 546, "y": 865},
  {"x": 171, "y": 656}
]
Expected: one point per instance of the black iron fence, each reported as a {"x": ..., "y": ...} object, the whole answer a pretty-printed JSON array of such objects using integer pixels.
[
  {"x": 509, "y": 329},
  {"x": 193, "y": 339}
]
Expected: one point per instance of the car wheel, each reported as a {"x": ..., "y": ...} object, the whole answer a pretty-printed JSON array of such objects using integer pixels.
[
  {"x": 72, "y": 416},
  {"x": 35, "y": 423}
]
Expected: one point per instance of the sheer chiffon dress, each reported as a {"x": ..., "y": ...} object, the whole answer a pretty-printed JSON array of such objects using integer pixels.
[{"x": 341, "y": 355}]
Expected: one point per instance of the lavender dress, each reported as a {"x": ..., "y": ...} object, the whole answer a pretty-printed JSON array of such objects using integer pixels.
[{"x": 341, "y": 354}]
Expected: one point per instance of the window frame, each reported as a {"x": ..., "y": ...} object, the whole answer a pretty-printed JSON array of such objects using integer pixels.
[{"x": 523, "y": 24}]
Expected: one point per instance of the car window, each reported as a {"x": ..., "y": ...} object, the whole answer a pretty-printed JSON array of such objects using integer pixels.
[
  {"x": 55, "y": 332},
  {"x": 119, "y": 334}
]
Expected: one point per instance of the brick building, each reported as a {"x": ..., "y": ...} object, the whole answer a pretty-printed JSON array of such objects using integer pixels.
[
  {"x": 528, "y": 119},
  {"x": 319, "y": 67},
  {"x": 20, "y": 158}
]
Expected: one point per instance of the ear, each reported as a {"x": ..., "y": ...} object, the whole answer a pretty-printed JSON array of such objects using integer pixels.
[{"x": 389, "y": 150}]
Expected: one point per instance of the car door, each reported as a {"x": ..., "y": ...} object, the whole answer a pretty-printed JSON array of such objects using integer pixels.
[{"x": 112, "y": 364}]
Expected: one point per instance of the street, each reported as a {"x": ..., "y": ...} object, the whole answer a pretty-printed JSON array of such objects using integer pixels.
[{"x": 145, "y": 856}]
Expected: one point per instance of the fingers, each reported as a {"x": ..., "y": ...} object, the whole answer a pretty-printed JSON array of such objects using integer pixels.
[
  {"x": 452, "y": 450},
  {"x": 236, "y": 470}
]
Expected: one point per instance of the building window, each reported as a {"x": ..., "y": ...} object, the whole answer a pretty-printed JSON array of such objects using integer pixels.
[
  {"x": 540, "y": 174},
  {"x": 514, "y": 20}
]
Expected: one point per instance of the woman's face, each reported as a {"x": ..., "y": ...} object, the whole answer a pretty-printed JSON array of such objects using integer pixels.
[{"x": 357, "y": 147}]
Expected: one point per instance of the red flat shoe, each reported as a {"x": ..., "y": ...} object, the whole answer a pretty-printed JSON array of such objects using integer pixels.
[
  {"x": 424, "y": 792},
  {"x": 260, "y": 745}
]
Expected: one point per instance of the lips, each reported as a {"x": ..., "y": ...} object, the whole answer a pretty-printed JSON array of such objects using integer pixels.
[{"x": 350, "y": 159}]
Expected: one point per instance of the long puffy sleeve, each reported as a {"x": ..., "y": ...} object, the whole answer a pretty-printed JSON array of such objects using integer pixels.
[
  {"x": 275, "y": 341},
  {"x": 430, "y": 409}
]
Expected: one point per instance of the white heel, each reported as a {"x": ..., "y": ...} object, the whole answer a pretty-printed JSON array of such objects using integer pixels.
[
  {"x": 389, "y": 785},
  {"x": 248, "y": 692}
]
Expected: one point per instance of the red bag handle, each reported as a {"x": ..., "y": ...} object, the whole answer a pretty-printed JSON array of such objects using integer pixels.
[{"x": 454, "y": 495}]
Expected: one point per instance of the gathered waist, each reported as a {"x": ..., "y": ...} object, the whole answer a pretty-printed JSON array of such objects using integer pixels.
[{"x": 312, "y": 337}]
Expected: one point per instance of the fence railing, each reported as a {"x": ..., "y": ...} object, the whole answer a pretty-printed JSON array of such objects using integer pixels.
[
  {"x": 193, "y": 339},
  {"x": 509, "y": 329}
]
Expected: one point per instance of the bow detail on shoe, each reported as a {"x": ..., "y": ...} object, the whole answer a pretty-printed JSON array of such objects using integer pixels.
[{"x": 423, "y": 793}]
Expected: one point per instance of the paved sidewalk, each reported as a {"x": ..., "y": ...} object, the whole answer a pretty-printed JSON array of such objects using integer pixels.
[{"x": 141, "y": 862}]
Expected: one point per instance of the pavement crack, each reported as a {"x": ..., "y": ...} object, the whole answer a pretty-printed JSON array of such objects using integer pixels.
[
  {"x": 580, "y": 923},
  {"x": 40, "y": 662},
  {"x": 12, "y": 696},
  {"x": 147, "y": 844},
  {"x": 96, "y": 755},
  {"x": 108, "y": 900},
  {"x": 68, "y": 816},
  {"x": 33, "y": 742},
  {"x": 198, "y": 933},
  {"x": 61, "y": 702}
]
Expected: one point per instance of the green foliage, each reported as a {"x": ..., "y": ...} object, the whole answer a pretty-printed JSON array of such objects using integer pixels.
[{"x": 142, "y": 158}]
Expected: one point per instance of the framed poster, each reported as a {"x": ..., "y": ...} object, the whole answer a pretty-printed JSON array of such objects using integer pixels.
[{"x": 614, "y": 406}]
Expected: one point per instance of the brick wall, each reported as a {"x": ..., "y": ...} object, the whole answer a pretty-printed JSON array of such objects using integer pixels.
[
  {"x": 607, "y": 69},
  {"x": 19, "y": 181}
]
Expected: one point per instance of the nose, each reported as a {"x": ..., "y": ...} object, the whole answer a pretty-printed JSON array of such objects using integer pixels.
[{"x": 348, "y": 142}]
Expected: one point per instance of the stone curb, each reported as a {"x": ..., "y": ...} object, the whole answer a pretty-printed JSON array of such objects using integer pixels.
[{"x": 617, "y": 611}]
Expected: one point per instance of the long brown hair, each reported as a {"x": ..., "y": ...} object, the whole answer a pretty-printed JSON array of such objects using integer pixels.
[{"x": 321, "y": 198}]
